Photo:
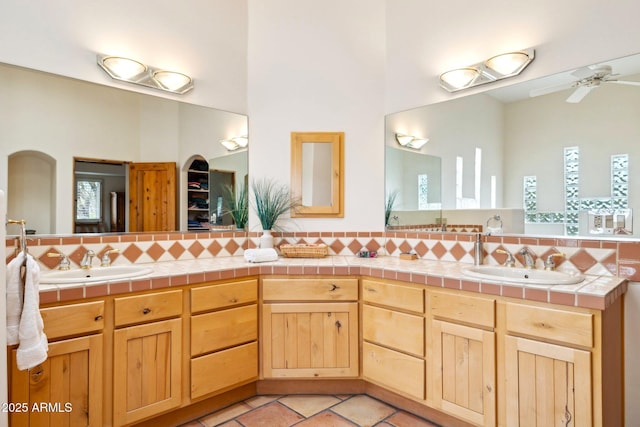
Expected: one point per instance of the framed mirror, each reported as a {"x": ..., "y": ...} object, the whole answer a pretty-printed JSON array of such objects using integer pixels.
[{"x": 317, "y": 173}]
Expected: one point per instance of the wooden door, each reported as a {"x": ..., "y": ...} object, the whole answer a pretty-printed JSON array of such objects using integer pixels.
[
  {"x": 464, "y": 372},
  {"x": 65, "y": 390},
  {"x": 547, "y": 384},
  {"x": 146, "y": 370},
  {"x": 152, "y": 196},
  {"x": 310, "y": 340}
]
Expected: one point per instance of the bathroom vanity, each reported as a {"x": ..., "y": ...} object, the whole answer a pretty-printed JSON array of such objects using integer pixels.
[{"x": 166, "y": 349}]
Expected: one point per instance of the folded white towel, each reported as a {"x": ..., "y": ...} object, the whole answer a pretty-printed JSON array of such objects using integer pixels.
[
  {"x": 14, "y": 298},
  {"x": 261, "y": 255},
  {"x": 33, "y": 346}
]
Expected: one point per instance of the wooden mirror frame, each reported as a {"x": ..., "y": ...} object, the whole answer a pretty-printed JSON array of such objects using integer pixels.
[{"x": 336, "y": 139}]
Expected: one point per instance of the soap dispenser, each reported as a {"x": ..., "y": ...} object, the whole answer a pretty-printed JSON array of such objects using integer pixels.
[{"x": 478, "y": 250}]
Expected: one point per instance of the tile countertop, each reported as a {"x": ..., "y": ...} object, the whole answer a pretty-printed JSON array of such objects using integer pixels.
[{"x": 596, "y": 292}]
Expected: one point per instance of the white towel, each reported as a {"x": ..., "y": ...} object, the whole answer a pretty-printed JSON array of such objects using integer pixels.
[
  {"x": 14, "y": 298},
  {"x": 33, "y": 346},
  {"x": 261, "y": 255}
]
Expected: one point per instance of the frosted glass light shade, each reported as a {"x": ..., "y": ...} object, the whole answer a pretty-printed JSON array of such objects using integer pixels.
[
  {"x": 172, "y": 81},
  {"x": 122, "y": 68},
  {"x": 508, "y": 63},
  {"x": 460, "y": 77}
]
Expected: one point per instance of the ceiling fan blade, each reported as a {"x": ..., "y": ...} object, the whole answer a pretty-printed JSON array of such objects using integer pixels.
[
  {"x": 582, "y": 73},
  {"x": 549, "y": 89},
  {"x": 624, "y": 82},
  {"x": 579, "y": 93}
]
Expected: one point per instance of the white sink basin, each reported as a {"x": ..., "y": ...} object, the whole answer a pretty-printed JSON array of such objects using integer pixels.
[
  {"x": 521, "y": 275},
  {"x": 98, "y": 274}
]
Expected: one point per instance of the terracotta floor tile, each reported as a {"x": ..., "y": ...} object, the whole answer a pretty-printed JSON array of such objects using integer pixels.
[
  {"x": 232, "y": 423},
  {"x": 309, "y": 405},
  {"x": 271, "y": 415},
  {"x": 326, "y": 419},
  {"x": 404, "y": 419},
  {"x": 192, "y": 424},
  {"x": 364, "y": 410},
  {"x": 257, "y": 401},
  {"x": 225, "y": 414}
]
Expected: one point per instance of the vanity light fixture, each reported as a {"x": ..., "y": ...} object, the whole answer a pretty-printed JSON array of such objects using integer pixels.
[
  {"x": 235, "y": 143},
  {"x": 493, "y": 69},
  {"x": 132, "y": 71},
  {"x": 410, "y": 141}
]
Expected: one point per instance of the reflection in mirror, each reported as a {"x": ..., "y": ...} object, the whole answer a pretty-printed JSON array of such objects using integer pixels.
[
  {"x": 317, "y": 175},
  {"x": 58, "y": 118},
  {"x": 564, "y": 164},
  {"x": 413, "y": 188},
  {"x": 228, "y": 173}
]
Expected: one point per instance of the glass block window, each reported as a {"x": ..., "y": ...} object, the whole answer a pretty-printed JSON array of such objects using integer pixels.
[
  {"x": 423, "y": 192},
  {"x": 88, "y": 200}
]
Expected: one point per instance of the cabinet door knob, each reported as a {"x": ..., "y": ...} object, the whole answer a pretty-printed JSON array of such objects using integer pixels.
[
  {"x": 146, "y": 310},
  {"x": 36, "y": 374},
  {"x": 98, "y": 317},
  {"x": 338, "y": 325},
  {"x": 234, "y": 300},
  {"x": 334, "y": 287}
]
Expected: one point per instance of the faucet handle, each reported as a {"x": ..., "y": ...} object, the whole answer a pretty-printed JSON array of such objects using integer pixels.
[
  {"x": 64, "y": 263},
  {"x": 106, "y": 260},
  {"x": 549, "y": 263},
  {"x": 510, "y": 261}
]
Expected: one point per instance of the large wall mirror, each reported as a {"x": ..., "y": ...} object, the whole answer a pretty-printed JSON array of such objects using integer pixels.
[
  {"x": 317, "y": 173},
  {"x": 561, "y": 158},
  {"x": 47, "y": 121}
]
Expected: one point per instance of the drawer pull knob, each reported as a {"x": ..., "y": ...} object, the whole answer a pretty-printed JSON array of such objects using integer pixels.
[
  {"x": 146, "y": 310},
  {"x": 334, "y": 287},
  {"x": 234, "y": 300},
  {"x": 98, "y": 318},
  {"x": 372, "y": 290},
  {"x": 338, "y": 325}
]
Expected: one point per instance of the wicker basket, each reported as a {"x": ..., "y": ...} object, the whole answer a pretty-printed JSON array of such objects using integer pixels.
[{"x": 304, "y": 251}]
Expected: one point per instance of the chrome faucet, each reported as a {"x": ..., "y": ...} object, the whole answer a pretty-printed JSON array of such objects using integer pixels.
[
  {"x": 528, "y": 258},
  {"x": 510, "y": 261},
  {"x": 106, "y": 259},
  {"x": 64, "y": 263},
  {"x": 87, "y": 259},
  {"x": 549, "y": 263}
]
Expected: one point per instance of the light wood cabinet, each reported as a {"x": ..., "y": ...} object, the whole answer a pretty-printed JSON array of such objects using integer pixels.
[
  {"x": 463, "y": 363},
  {"x": 303, "y": 339},
  {"x": 66, "y": 389},
  {"x": 224, "y": 337},
  {"x": 393, "y": 330},
  {"x": 147, "y": 365}
]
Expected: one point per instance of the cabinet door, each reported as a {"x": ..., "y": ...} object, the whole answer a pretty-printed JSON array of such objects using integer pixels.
[
  {"x": 547, "y": 384},
  {"x": 464, "y": 372},
  {"x": 146, "y": 370},
  {"x": 310, "y": 340},
  {"x": 65, "y": 390}
]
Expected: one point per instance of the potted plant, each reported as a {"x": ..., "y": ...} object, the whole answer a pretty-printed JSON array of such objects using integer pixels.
[
  {"x": 388, "y": 207},
  {"x": 237, "y": 204},
  {"x": 270, "y": 201}
]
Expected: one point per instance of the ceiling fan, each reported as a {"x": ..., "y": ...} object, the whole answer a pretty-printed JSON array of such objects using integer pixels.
[{"x": 588, "y": 78}]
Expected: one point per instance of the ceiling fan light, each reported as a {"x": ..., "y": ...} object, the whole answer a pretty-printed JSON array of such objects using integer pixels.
[
  {"x": 460, "y": 77},
  {"x": 172, "y": 81},
  {"x": 122, "y": 68},
  {"x": 507, "y": 64}
]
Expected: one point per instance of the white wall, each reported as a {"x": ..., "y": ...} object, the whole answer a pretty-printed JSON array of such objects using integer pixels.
[{"x": 319, "y": 66}]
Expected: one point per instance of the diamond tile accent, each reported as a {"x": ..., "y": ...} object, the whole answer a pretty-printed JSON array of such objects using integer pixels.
[
  {"x": 132, "y": 253},
  {"x": 214, "y": 248},
  {"x": 155, "y": 251},
  {"x": 583, "y": 260},
  {"x": 232, "y": 247},
  {"x": 355, "y": 246},
  {"x": 439, "y": 250},
  {"x": 405, "y": 247},
  {"x": 176, "y": 250},
  {"x": 421, "y": 249},
  {"x": 337, "y": 246},
  {"x": 196, "y": 249},
  {"x": 458, "y": 252}
]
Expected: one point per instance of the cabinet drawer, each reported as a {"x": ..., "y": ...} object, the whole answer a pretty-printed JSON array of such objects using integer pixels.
[
  {"x": 223, "y": 295},
  {"x": 220, "y": 329},
  {"x": 404, "y": 332},
  {"x": 393, "y": 295},
  {"x": 73, "y": 319},
  {"x": 551, "y": 324},
  {"x": 338, "y": 289},
  {"x": 398, "y": 371},
  {"x": 224, "y": 369},
  {"x": 467, "y": 309},
  {"x": 147, "y": 307}
]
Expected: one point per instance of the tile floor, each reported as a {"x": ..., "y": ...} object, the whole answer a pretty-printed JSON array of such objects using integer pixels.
[{"x": 310, "y": 411}]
